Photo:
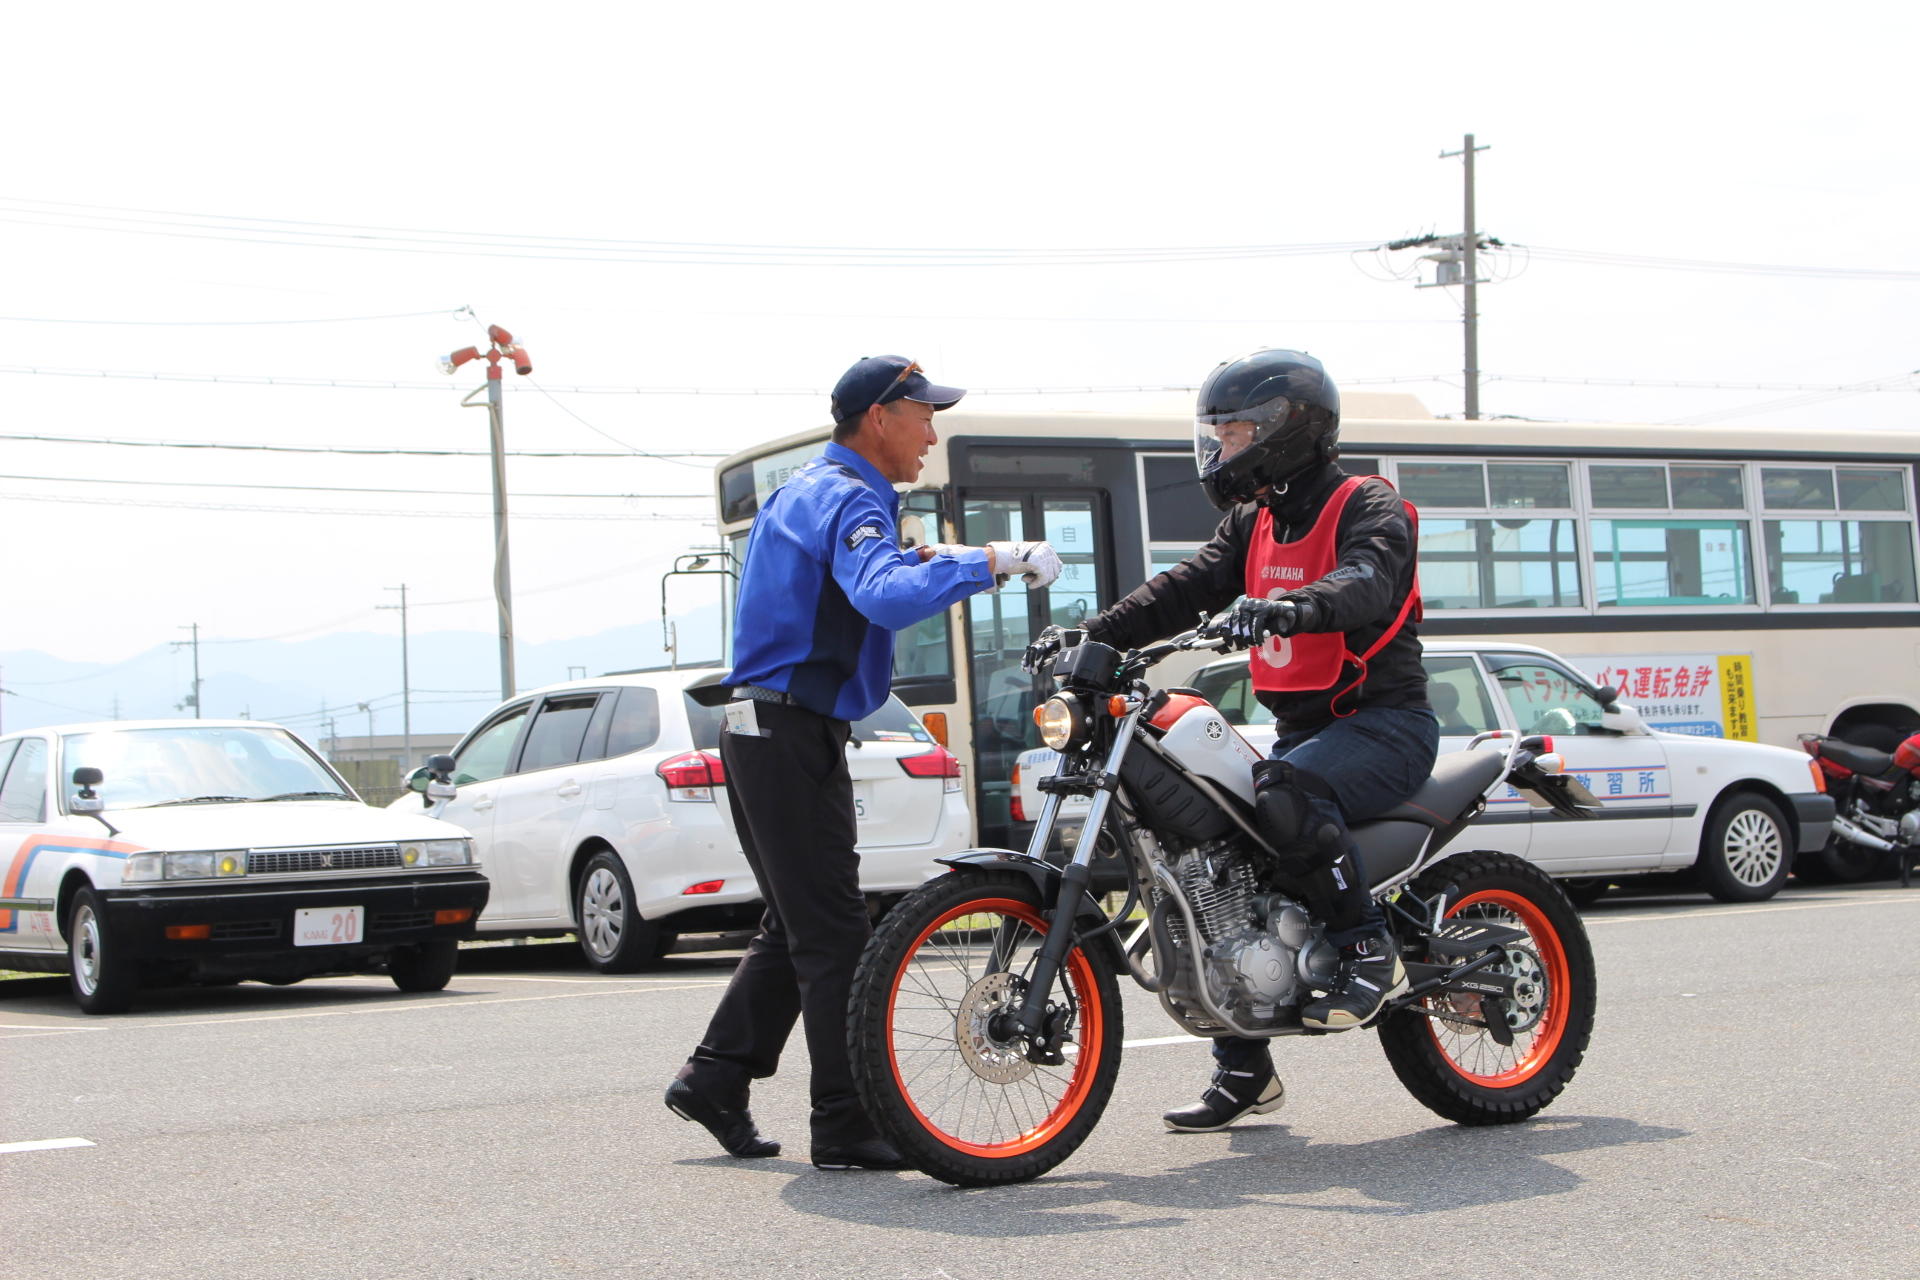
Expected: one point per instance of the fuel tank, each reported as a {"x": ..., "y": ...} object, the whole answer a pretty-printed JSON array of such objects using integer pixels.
[{"x": 1200, "y": 738}]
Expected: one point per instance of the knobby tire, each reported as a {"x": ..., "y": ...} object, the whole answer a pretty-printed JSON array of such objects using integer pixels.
[
  {"x": 958, "y": 1105},
  {"x": 1456, "y": 1068}
]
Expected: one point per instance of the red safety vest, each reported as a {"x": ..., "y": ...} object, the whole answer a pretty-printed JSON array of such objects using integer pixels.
[{"x": 1294, "y": 664}]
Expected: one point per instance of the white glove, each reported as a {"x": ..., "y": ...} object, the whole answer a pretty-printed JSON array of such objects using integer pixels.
[{"x": 1037, "y": 562}]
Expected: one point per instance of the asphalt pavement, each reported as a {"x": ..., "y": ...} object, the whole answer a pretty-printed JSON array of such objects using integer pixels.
[{"x": 1747, "y": 1109}]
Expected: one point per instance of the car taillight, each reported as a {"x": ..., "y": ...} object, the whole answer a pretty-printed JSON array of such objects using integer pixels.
[
  {"x": 692, "y": 776},
  {"x": 937, "y": 763},
  {"x": 1016, "y": 810}
]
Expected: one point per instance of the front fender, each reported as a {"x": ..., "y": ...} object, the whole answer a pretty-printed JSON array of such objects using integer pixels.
[{"x": 1043, "y": 874}]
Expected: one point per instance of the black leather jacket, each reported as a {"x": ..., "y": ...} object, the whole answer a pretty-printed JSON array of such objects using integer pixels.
[{"x": 1361, "y": 597}]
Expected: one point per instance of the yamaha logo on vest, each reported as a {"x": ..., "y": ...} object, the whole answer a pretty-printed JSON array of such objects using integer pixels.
[{"x": 1284, "y": 572}]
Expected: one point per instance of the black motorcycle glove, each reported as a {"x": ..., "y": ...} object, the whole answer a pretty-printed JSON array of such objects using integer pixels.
[{"x": 1251, "y": 620}]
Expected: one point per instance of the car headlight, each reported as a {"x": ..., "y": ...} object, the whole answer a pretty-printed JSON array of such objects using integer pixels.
[
  {"x": 1062, "y": 721},
  {"x": 144, "y": 866},
  {"x": 436, "y": 853}
]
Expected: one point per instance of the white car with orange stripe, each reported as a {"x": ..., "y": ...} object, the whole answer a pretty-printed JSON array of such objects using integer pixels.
[
  {"x": 153, "y": 852},
  {"x": 1736, "y": 813}
]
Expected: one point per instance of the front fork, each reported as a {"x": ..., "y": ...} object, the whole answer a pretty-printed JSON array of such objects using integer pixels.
[{"x": 1029, "y": 1019}]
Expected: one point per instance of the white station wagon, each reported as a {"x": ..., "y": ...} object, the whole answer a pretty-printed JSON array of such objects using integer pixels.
[
  {"x": 600, "y": 808},
  {"x": 1735, "y": 812},
  {"x": 144, "y": 853}
]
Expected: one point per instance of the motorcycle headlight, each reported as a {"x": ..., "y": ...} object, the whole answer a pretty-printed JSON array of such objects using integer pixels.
[{"x": 1062, "y": 721}]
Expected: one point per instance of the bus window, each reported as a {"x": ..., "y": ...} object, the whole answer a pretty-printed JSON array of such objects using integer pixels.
[
  {"x": 1505, "y": 563},
  {"x": 1840, "y": 561},
  {"x": 1668, "y": 562}
]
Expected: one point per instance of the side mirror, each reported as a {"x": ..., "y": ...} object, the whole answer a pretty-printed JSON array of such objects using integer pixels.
[
  {"x": 439, "y": 784},
  {"x": 418, "y": 779},
  {"x": 1621, "y": 717},
  {"x": 1606, "y": 695},
  {"x": 86, "y": 777}
]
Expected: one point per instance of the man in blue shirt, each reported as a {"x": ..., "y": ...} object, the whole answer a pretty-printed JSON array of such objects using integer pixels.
[{"x": 824, "y": 588}]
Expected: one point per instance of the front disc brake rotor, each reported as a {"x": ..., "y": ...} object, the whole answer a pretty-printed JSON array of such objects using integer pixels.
[{"x": 995, "y": 1061}]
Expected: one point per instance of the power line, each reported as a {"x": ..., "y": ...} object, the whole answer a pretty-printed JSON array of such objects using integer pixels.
[
  {"x": 350, "y": 511},
  {"x": 289, "y": 233},
  {"x": 197, "y": 324},
  {"x": 1601, "y": 258},
  {"x": 330, "y": 488},
  {"x": 340, "y": 449}
]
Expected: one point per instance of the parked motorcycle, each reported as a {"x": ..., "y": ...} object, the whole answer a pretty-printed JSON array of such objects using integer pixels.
[
  {"x": 986, "y": 1019},
  {"x": 1877, "y": 815}
]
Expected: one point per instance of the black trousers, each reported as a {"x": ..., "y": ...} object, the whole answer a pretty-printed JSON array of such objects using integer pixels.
[{"x": 792, "y": 805}]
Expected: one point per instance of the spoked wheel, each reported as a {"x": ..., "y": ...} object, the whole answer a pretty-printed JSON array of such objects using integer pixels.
[
  {"x": 938, "y": 1072},
  {"x": 1441, "y": 1047}
]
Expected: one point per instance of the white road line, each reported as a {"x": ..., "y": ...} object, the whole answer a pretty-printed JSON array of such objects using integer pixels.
[
  {"x": 45, "y": 1144},
  {"x": 1714, "y": 912},
  {"x": 409, "y": 1007}
]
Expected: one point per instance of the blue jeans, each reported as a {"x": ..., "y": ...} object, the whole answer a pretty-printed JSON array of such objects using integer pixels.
[{"x": 1371, "y": 760}]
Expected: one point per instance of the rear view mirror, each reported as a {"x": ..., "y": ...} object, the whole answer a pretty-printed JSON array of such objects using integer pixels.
[
  {"x": 1621, "y": 717},
  {"x": 86, "y": 777}
]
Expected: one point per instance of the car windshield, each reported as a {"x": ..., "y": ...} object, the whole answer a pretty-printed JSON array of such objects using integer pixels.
[{"x": 187, "y": 764}]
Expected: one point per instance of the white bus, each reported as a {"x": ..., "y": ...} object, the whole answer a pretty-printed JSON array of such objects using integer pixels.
[{"x": 1749, "y": 582}]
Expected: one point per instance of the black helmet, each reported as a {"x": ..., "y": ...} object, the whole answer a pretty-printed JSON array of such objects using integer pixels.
[{"x": 1285, "y": 416}]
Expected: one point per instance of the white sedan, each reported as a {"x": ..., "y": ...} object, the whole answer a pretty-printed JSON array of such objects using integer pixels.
[
  {"x": 1736, "y": 812},
  {"x": 141, "y": 853},
  {"x": 599, "y": 808}
]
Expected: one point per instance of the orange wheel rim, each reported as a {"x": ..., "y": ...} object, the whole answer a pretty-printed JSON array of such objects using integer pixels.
[
  {"x": 1031, "y": 1117},
  {"x": 1526, "y": 1060}
]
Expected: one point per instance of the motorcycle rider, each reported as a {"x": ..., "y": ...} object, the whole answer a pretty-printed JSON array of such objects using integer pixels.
[{"x": 1322, "y": 563}]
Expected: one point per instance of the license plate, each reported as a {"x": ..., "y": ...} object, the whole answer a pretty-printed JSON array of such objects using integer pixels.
[{"x": 327, "y": 926}]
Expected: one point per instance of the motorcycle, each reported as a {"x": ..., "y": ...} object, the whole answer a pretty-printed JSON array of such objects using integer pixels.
[
  {"x": 985, "y": 1019},
  {"x": 1877, "y": 808}
]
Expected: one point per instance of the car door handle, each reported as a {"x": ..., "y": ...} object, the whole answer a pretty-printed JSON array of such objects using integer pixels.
[
  {"x": 483, "y": 804},
  {"x": 569, "y": 789}
]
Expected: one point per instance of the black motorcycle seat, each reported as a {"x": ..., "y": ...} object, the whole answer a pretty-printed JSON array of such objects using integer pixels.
[
  {"x": 1859, "y": 759},
  {"x": 1458, "y": 777}
]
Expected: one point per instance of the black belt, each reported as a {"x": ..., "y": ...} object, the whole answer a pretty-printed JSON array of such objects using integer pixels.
[{"x": 755, "y": 693}]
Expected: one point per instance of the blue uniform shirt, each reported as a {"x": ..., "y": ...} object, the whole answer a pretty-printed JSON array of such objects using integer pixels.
[{"x": 826, "y": 585}]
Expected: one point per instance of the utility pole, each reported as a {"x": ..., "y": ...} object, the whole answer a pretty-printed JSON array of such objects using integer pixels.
[
  {"x": 1470, "y": 240},
  {"x": 195, "y": 642},
  {"x": 406, "y": 685},
  {"x": 502, "y": 344},
  {"x": 1457, "y": 261}
]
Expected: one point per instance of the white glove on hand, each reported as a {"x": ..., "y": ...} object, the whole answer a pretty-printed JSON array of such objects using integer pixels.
[{"x": 1037, "y": 562}]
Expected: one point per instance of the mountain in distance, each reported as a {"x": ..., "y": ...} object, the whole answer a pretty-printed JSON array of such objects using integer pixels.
[{"x": 454, "y": 677}]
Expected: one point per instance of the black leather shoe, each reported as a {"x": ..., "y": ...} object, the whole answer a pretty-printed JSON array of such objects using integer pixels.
[
  {"x": 870, "y": 1153},
  {"x": 1232, "y": 1094},
  {"x": 732, "y": 1127}
]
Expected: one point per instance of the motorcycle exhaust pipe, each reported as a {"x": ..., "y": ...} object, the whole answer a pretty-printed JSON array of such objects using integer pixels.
[{"x": 1846, "y": 830}]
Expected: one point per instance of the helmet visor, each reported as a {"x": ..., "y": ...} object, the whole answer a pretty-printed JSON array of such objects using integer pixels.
[{"x": 1219, "y": 438}]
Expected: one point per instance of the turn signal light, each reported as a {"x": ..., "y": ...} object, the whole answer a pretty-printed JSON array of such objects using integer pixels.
[
  {"x": 936, "y": 722},
  {"x": 180, "y": 931},
  {"x": 1117, "y": 706},
  {"x": 453, "y": 915},
  {"x": 1819, "y": 776},
  {"x": 1015, "y": 808}
]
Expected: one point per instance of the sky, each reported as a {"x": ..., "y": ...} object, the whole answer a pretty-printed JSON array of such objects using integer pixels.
[{"x": 245, "y": 224}]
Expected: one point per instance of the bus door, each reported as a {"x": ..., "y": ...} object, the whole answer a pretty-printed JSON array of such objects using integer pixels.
[{"x": 1000, "y": 625}]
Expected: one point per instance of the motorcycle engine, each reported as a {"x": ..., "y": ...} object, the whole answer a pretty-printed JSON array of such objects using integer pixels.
[{"x": 1249, "y": 952}]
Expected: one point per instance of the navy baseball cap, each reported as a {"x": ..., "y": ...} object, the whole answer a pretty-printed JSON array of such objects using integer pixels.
[{"x": 881, "y": 379}]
